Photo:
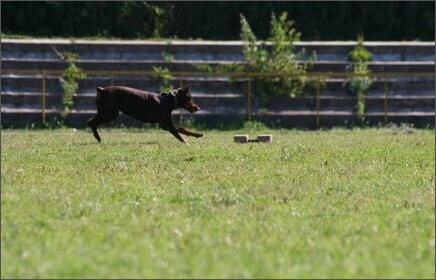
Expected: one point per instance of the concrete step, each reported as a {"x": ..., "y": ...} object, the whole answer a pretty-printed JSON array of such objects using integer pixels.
[
  {"x": 220, "y": 102},
  {"x": 285, "y": 119},
  {"x": 228, "y": 103},
  {"x": 203, "y": 50},
  {"x": 193, "y": 66},
  {"x": 395, "y": 85},
  {"x": 394, "y": 104},
  {"x": 89, "y": 85}
]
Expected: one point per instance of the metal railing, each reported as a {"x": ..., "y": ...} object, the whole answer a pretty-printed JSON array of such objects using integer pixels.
[{"x": 247, "y": 77}]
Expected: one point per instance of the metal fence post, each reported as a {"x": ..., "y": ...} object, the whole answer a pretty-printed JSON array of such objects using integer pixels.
[
  {"x": 249, "y": 99},
  {"x": 43, "y": 98},
  {"x": 317, "y": 104},
  {"x": 386, "y": 100}
]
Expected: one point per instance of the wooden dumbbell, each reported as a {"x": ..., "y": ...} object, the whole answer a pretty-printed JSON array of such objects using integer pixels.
[
  {"x": 241, "y": 138},
  {"x": 264, "y": 138}
]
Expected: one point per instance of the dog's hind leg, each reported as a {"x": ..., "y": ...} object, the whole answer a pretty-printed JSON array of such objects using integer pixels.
[
  {"x": 100, "y": 118},
  {"x": 188, "y": 133},
  {"x": 93, "y": 122}
]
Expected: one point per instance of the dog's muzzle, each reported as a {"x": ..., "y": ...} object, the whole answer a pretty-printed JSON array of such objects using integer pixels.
[{"x": 193, "y": 107}]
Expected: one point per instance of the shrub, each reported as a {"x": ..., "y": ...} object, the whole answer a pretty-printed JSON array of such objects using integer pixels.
[
  {"x": 282, "y": 67},
  {"x": 69, "y": 82},
  {"x": 278, "y": 68},
  {"x": 69, "y": 79}
]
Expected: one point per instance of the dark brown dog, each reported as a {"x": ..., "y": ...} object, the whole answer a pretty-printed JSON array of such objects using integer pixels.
[{"x": 148, "y": 107}]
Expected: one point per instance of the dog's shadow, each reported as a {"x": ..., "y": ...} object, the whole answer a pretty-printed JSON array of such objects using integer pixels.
[{"x": 115, "y": 144}]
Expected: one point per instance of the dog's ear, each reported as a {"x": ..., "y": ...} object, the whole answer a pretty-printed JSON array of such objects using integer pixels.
[{"x": 186, "y": 88}]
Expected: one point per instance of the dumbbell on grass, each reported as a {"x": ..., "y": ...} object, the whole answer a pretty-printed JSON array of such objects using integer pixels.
[
  {"x": 241, "y": 138},
  {"x": 264, "y": 138}
]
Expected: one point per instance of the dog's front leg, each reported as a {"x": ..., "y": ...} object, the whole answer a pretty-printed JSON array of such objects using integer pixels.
[{"x": 173, "y": 131}]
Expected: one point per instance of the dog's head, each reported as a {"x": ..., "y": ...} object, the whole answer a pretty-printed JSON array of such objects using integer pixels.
[{"x": 184, "y": 99}]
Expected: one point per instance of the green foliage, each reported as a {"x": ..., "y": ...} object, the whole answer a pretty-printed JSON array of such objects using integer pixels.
[
  {"x": 360, "y": 82},
  {"x": 253, "y": 126},
  {"x": 70, "y": 84},
  {"x": 338, "y": 204},
  {"x": 163, "y": 76},
  {"x": 360, "y": 53},
  {"x": 168, "y": 57},
  {"x": 55, "y": 123},
  {"x": 279, "y": 69},
  {"x": 318, "y": 20},
  {"x": 223, "y": 68},
  {"x": 157, "y": 18},
  {"x": 276, "y": 60},
  {"x": 69, "y": 80}
]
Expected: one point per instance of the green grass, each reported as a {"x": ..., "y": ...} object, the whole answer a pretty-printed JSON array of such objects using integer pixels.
[{"x": 311, "y": 204}]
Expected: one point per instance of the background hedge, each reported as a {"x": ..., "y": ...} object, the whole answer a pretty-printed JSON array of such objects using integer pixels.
[{"x": 378, "y": 20}]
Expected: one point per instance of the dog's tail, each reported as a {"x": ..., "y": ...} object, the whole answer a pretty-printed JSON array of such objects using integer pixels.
[
  {"x": 99, "y": 90},
  {"x": 99, "y": 100}
]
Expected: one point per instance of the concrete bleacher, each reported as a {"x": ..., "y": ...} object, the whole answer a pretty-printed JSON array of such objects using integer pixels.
[{"x": 411, "y": 91}]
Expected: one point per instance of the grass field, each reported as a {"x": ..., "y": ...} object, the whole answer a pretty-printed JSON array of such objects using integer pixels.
[{"x": 311, "y": 204}]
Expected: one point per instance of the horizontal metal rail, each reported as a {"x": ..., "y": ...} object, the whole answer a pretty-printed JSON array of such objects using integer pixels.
[{"x": 223, "y": 74}]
